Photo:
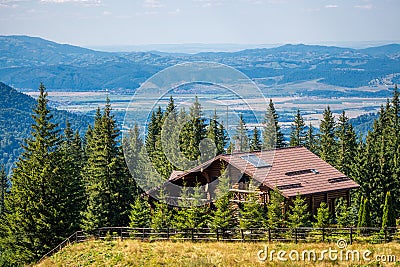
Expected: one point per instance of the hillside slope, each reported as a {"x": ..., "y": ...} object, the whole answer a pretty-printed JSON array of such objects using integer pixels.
[
  {"x": 15, "y": 119},
  {"x": 137, "y": 253}
]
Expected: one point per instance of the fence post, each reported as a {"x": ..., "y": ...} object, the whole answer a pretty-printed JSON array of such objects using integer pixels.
[
  {"x": 295, "y": 235},
  {"x": 217, "y": 234},
  {"x": 242, "y": 234},
  {"x": 192, "y": 234},
  {"x": 323, "y": 234},
  {"x": 142, "y": 233},
  {"x": 168, "y": 233},
  {"x": 351, "y": 235}
]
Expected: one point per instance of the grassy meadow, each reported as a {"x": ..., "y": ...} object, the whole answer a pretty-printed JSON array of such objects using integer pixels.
[{"x": 168, "y": 253}]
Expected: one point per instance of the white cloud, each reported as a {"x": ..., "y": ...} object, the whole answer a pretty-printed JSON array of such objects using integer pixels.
[
  {"x": 208, "y": 3},
  {"x": 369, "y": 6},
  {"x": 331, "y": 6},
  {"x": 152, "y": 4},
  {"x": 106, "y": 13},
  {"x": 83, "y": 2}
]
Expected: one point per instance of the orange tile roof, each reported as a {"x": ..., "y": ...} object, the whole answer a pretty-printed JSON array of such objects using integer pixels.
[{"x": 292, "y": 170}]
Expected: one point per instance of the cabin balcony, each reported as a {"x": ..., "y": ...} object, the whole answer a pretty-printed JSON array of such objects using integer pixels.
[{"x": 240, "y": 195}]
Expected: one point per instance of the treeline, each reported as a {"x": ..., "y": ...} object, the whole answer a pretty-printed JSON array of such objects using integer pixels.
[{"x": 63, "y": 182}]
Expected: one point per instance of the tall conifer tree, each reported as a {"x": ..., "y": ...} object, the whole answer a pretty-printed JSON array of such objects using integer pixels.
[
  {"x": 327, "y": 140},
  {"x": 298, "y": 131}
]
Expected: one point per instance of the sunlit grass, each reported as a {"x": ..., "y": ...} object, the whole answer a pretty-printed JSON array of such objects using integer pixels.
[{"x": 137, "y": 253}]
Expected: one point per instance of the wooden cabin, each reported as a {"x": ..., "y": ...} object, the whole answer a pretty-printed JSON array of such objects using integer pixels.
[{"x": 291, "y": 170}]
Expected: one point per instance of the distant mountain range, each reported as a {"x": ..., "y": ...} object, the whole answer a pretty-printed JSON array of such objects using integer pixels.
[
  {"x": 26, "y": 61},
  {"x": 15, "y": 120}
]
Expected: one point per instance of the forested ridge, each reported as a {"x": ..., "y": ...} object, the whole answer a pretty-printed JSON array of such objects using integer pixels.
[
  {"x": 63, "y": 182},
  {"x": 15, "y": 117}
]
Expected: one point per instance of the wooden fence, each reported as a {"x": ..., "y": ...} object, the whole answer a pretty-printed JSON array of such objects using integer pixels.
[{"x": 303, "y": 234}]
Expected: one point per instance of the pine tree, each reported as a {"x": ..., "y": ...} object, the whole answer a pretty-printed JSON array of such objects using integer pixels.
[
  {"x": 323, "y": 216},
  {"x": 311, "y": 142},
  {"x": 107, "y": 180},
  {"x": 274, "y": 208},
  {"x": 298, "y": 131},
  {"x": 365, "y": 220},
  {"x": 252, "y": 213},
  {"x": 272, "y": 135},
  {"x": 224, "y": 215},
  {"x": 347, "y": 145},
  {"x": 327, "y": 141},
  {"x": 133, "y": 145},
  {"x": 344, "y": 214},
  {"x": 161, "y": 217},
  {"x": 241, "y": 136},
  {"x": 255, "y": 142},
  {"x": 71, "y": 163},
  {"x": 360, "y": 211},
  {"x": 4, "y": 188},
  {"x": 389, "y": 215},
  {"x": 216, "y": 133},
  {"x": 193, "y": 132},
  {"x": 298, "y": 215},
  {"x": 33, "y": 226},
  {"x": 140, "y": 214}
]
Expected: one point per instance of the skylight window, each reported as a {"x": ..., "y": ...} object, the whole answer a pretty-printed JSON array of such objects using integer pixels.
[{"x": 255, "y": 161}]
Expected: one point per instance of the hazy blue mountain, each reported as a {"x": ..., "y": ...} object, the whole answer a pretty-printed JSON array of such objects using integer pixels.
[
  {"x": 26, "y": 61},
  {"x": 15, "y": 120}
]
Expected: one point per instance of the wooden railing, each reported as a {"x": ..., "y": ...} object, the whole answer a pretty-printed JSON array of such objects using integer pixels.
[{"x": 303, "y": 234}]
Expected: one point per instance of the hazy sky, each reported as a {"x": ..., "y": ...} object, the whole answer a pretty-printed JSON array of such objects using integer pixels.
[{"x": 130, "y": 22}]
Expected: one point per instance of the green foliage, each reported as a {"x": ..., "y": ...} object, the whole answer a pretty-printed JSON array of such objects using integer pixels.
[
  {"x": 109, "y": 186},
  {"x": 272, "y": 135},
  {"x": 327, "y": 140},
  {"x": 345, "y": 216},
  {"x": 298, "y": 215},
  {"x": 255, "y": 141},
  {"x": 365, "y": 214},
  {"x": 323, "y": 217},
  {"x": 252, "y": 213},
  {"x": 275, "y": 209},
  {"x": 140, "y": 214},
  {"x": 346, "y": 144},
  {"x": 311, "y": 142},
  {"x": 161, "y": 217},
  {"x": 298, "y": 131},
  {"x": 33, "y": 223},
  {"x": 4, "y": 188},
  {"x": 389, "y": 216},
  {"x": 241, "y": 136}
]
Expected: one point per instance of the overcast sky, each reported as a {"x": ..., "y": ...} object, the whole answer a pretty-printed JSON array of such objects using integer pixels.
[{"x": 133, "y": 22}]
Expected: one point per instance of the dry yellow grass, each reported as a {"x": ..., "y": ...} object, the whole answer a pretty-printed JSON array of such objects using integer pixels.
[{"x": 137, "y": 253}]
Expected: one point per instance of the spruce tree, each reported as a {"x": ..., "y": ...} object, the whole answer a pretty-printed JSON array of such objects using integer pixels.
[
  {"x": 216, "y": 133},
  {"x": 140, "y": 214},
  {"x": 4, "y": 188},
  {"x": 252, "y": 213},
  {"x": 71, "y": 164},
  {"x": 365, "y": 220},
  {"x": 241, "y": 136},
  {"x": 298, "y": 214},
  {"x": 311, "y": 142},
  {"x": 327, "y": 140},
  {"x": 107, "y": 180},
  {"x": 272, "y": 135},
  {"x": 275, "y": 209},
  {"x": 255, "y": 141},
  {"x": 344, "y": 214},
  {"x": 298, "y": 131},
  {"x": 389, "y": 215},
  {"x": 224, "y": 215},
  {"x": 161, "y": 217},
  {"x": 193, "y": 132},
  {"x": 32, "y": 225},
  {"x": 323, "y": 217},
  {"x": 347, "y": 145}
]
